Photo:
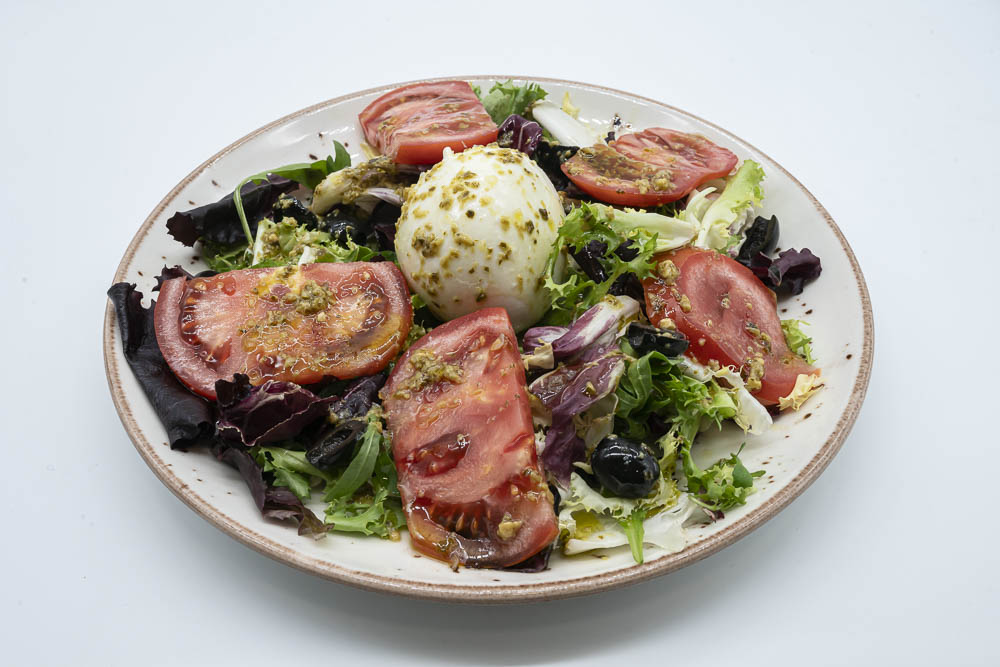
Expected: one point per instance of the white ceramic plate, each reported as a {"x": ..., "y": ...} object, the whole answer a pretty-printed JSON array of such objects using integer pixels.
[{"x": 793, "y": 453}]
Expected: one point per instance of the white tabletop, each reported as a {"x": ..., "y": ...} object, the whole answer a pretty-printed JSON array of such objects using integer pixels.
[{"x": 889, "y": 114}]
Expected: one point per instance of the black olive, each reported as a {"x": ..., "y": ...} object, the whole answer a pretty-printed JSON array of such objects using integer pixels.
[
  {"x": 334, "y": 441},
  {"x": 343, "y": 224},
  {"x": 589, "y": 259},
  {"x": 549, "y": 157},
  {"x": 358, "y": 396},
  {"x": 290, "y": 207},
  {"x": 628, "y": 284},
  {"x": 761, "y": 236},
  {"x": 625, "y": 468},
  {"x": 645, "y": 339}
]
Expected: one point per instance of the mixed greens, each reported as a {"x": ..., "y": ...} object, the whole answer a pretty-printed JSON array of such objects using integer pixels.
[{"x": 611, "y": 389}]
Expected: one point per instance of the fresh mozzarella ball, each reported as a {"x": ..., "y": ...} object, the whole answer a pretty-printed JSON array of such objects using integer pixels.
[{"x": 476, "y": 231}]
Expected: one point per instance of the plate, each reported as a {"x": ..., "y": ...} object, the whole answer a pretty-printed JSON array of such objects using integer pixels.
[{"x": 793, "y": 453}]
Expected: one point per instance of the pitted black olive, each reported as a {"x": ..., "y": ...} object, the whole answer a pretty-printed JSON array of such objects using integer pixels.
[
  {"x": 761, "y": 236},
  {"x": 625, "y": 468},
  {"x": 645, "y": 339},
  {"x": 343, "y": 224},
  {"x": 290, "y": 207},
  {"x": 334, "y": 441}
]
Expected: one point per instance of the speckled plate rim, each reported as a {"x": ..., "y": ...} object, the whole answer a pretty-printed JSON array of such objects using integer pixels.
[{"x": 529, "y": 591}]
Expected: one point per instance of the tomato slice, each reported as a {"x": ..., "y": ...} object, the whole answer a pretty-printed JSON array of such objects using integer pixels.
[
  {"x": 294, "y": 323},
  {"x": 730, "y": 317},
  {"x": 648, "y": 168},
  {"x": 472, "y": 487},
  {"x": 415, "y": 123}
]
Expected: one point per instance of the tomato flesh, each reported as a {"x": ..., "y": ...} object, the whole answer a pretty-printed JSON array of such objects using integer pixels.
[
  {"x": 648, "y": 168},
  {"x": 295, "y": 323},
  {"x": 415, "y": 123},
  {"x": 730, "y": 317},
  {"x": 462, "y": 439}
]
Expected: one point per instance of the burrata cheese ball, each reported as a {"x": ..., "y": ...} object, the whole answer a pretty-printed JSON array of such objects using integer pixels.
[{"x": 476, "y": 231}]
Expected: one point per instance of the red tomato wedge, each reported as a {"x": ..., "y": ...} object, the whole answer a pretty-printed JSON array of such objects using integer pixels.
[
  {"x": 295, "y": 323},
  {"x": 648, "y": 168},
  {"x": 415, "y": 123},
  {"x": 728, "y": 316},
  {"x": 472, "y": 487}
]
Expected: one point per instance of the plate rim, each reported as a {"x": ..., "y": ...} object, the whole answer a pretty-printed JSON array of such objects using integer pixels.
[{"x": 513, "y": 593}]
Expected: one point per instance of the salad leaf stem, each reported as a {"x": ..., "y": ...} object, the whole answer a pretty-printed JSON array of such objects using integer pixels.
[
  {"x": 307, "y": 174},
  {"x": 635, "y": 532}
]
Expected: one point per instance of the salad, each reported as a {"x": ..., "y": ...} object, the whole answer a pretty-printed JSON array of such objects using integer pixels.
[{"x": 502, "y": 332}]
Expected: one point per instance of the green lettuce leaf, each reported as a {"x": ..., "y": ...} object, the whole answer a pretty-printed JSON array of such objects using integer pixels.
[
  {"x": 362, "y": 465},
  {"x": 286, "y": 242},
  {"x": 654, "y": 384},
  {"x": 671, "y": 232},
  {"x": 798, "y": 341},
  {"x": 506, "y": 98},
  {"x": 723, "y": 485},
  {"x": 369, "y": 515},
  {"x": 743, "y": 190},
  {"x": 372, "y": 506},
  {"x": 224, "y": 258},
  {"x": 291, "y": 469},
  {"x": 571, "y": 291}
]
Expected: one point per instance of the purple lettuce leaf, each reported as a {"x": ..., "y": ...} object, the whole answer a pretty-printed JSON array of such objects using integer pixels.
[
  {"x": 187, "y": 418},
  {"x": 535, "y": 337},
  {"x": 171, "y": 272},
  {"x": 272, "y": 501},
  {"x": 537, "y": 563},
  {"x": 789, "y": 272},
  {"x": 563, "y": 448},
  {"x": 520, "y": 134},
  {"x": 600, "y": 325},
  {"x": 793, "y": 269},
  {"x": 272, "y": 412},
  {"x": 388, "y": 195},
  {"x": 218, "y": 222},
  {"x": 566, "y": 392},
  {"x": 570, "y": 389}
]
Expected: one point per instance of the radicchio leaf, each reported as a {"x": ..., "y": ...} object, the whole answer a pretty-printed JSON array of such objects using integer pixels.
[
  {"x": 388, "y": 195},
  {"x": 219, "y": 222},
  {"x": 187, "y": 418},
  {"x": 789, "y": 272},
  {"x": 520, "y": 134},
  {"x": 538, "y": 336},
  {"x": 600, "y": 325},
  {"x": 566, "y": 392},
  {"x": 272, "y": 412},
  {"x": 537, "y": 563},
  {"x": 273, "y": 502}
]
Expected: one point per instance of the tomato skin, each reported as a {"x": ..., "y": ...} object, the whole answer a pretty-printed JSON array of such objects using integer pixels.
[
  {"x": 729, "y": 316},
  {"x": 415, "y": 123},
  {"x": 253, "y": 321},
  {"x": 648, "y": 168},
  {"x": 472, "y": 487}
]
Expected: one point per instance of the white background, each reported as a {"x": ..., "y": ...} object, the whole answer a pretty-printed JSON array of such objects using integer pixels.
[{"x": 890, "y": 114}]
